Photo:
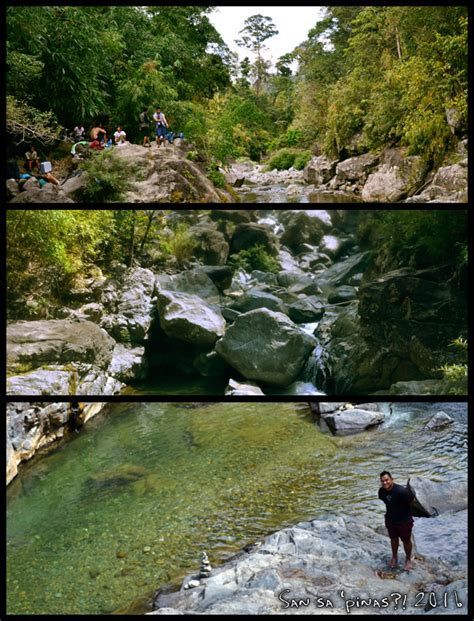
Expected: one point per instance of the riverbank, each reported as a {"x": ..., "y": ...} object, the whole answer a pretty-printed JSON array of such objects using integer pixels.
[
  {"x": 314, "y": 299},
  {"x": 388, "y": 176},
  {"x": 335, "y": 565}
]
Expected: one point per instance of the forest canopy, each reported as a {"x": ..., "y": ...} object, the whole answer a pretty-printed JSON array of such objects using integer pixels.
[{"x": 367, "y": 76}]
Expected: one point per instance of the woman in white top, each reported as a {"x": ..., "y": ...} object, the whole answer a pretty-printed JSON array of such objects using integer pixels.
[{"x": 120, "y": 136}]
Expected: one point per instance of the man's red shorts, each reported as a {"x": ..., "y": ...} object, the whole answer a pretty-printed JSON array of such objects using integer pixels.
[{"x": 399, "y": 530}]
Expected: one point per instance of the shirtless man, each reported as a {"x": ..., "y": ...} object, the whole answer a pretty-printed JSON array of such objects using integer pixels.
[{"x": 399, "y": 518}]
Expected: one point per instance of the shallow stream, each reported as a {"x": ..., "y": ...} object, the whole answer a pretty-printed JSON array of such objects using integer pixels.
[{"x": 127, "y": 505}]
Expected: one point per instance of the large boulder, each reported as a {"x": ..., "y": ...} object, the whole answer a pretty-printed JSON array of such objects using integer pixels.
[
  {"x": 236, "y": 216},
  {"x": 211, "y": 246},
  {"x": 319, "y": 170},
  {"x": 128, "y": 301},
  {"x": 266, "y": 346},
  {"x": 57, "y": 341},
  {"x": 353, "y": 420},
  {"x": 433, "y": 497},
  {"x": 398, "y": 176},
  {"x": 247, "y": 235},
  {"x": 355, "y": 170},
  {"x": 256, "y": 298},
  {"x": 407, "y": 303},
  {"x": 221, "y": 275},
  {"x": 340, "y": 273},
  {"x": 194, "y": 282},
  {"x": 50, "y": 193},
  {"x": 164, "y": 175},
  {"x": 303, "y": 228},
  {"x": 189, "y": 318},
  {"x": 42, "y": 382}
]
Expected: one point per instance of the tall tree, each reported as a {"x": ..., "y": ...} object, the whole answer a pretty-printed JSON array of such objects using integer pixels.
[{"x": 257, "y": 29}]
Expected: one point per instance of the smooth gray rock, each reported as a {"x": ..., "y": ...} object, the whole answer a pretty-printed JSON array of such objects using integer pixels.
[
  {"x": 128, "y": 364},
  {"x": 320, "y": 558},
  {"x": 189, "y": 318},
  {"x": 345, "y": 293},
  {"x": 237, "y": 389},
  {"x": 128, "y": 301},
  {"x": 57, "y": 341},
  {"x": 194, "y": 282},
  {"x": 433, "y": 498},
  {"x": 392, "y": 182},
  {"x": 439, "y": 421},
  {"x": 340, "y": 273},
  {"x": 248, "y": 235},
  {"x": 256, "y": 298},
  {"x": 50, "y": 193},
  {"x": 266, "y": 346},
  {"x": 353, "y": 421}
]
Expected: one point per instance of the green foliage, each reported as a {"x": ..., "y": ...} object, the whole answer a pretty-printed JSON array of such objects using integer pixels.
[
  {"x": 286, "y": 158},
  {"x": 217, "y": 178},
  {"x": 182, "y": 244},
  {"x": 383, "y": 75},
  {"x": 109, "y": 178},
  {"x": 455, "y": 375},
  {"x": 440, "y": 235},
  {"x": 46, "y": 248},
  {"x": 255, "y": 258}
]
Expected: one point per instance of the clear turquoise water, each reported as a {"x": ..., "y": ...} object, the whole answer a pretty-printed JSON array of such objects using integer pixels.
[{"x": 127, "y": 505}]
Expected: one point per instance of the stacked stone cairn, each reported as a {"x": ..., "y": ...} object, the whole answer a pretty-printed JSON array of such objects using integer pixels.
[{"x": 205, "y": 570}]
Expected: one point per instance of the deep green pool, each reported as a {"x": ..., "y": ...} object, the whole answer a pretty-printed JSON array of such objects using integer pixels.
[{"x": 130, "y": 502}]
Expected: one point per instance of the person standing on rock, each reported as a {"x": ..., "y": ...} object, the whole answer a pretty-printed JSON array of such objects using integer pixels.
[
  {"x": 145, "y": 127},
  {"x": 399, "y": 517},
  {"x": 161, "y": 126}
]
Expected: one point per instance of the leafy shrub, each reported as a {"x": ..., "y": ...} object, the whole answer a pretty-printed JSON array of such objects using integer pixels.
[
  {"x": 217, "y": 178},
  {"x": 286, "y": 158},
  {"x": 455, "y": 375},
  {"x": 255, "y": 258},
  {"x": 182, "y": 244},
  {"x": 281, "y": 160},
  {"x": 302, "y": 159},
  {"x": 109, "y": 178}
]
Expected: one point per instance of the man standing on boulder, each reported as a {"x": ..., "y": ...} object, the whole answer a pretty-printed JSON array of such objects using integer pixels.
[{"x": 399, "y": 517}]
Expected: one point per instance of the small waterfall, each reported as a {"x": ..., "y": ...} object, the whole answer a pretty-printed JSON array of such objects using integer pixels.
[{"x": 316, "y": 369}]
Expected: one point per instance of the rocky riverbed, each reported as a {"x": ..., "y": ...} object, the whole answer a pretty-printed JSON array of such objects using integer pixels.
[
  {"x": 390, "y": 176},
  {"x": 333, "y": 318}
]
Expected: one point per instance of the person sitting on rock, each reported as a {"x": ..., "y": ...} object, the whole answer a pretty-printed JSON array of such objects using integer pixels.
[
  {"x": 161, "y": 126},
  {"x": 98, "y": 133},
  {"x": 399, "y": 517},
  {"x": 120, "y": 136},
  {"x": 79, "y": 132},
  {"x": 32, "y": 159}
]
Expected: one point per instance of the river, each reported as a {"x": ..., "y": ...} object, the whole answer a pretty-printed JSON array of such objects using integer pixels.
[{"x": 95, "y": 526}]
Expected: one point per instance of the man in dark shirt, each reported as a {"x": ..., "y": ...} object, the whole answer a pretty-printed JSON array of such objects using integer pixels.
[{"x": 399, "y": 518}]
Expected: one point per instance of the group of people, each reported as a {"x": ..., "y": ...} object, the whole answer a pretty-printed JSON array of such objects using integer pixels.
[{"x": 98, "y": 134}]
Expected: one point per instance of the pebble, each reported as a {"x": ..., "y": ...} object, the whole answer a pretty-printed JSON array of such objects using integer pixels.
[{"x": 146, "y": 549}]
